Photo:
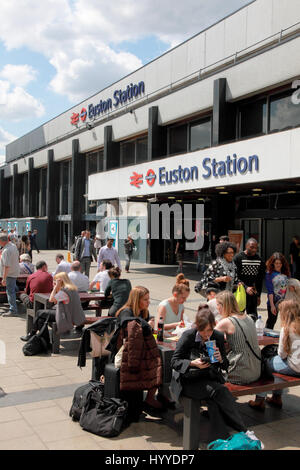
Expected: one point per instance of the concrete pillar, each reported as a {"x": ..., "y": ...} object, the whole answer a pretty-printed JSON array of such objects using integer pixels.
[
  {"x": 224, "y": 115},
  {"x": 157, "y": 141},
  {"x": 32, "y": 188},
  {"x": 111, "y": 157},
  {"x": 77, "y": 189},
  {"x": 51, "y": 202}
]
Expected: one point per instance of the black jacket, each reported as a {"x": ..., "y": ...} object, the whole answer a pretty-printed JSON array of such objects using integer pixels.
[
  {"x": 180, "y": 361},
  {"x": 251, "y": 270}
]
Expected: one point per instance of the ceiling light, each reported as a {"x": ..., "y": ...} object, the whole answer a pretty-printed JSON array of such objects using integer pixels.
[
  {"x": 291, "y": 192},
  {"x": 221, "y": 187},
  {"x": 171, "y": 197},
  {"x": 255, "y": 195},
  {"x": 257, "y": 189},
  {"x": 223, "y": 192}
]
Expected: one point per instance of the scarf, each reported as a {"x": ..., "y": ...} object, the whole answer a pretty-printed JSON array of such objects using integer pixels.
[{"x": 229, "y": 270}]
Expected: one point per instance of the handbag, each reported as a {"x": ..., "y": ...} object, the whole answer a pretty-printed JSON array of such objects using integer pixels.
[
  {"x": 238, "y": 441},
  {"x": 240, "y": 296},
  {"x": 81, "y": 395},
  {"x": 266, "y": 372},
  {"x": 103, "y": 416}
]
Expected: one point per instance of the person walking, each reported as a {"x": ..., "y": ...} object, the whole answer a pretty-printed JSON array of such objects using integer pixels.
[
  {"x": 251, "y": 272},
  {"x": 10, "y": 270},
  {"x": 295, "y": 257},
  {"x": 85, "y": 252},
  {"x": 277, "y": 276},
  {"x": 129, "y": 246}
]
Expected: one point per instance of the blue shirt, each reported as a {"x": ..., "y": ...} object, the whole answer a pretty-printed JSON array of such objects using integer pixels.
[{"x": 86, "y": 251}]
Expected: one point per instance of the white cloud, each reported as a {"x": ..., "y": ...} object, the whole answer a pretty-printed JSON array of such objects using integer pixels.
[
  {"x": 19, "y": 75},
  {"x": 17, "y": 104},
  {"x": 83, "y": 39}
]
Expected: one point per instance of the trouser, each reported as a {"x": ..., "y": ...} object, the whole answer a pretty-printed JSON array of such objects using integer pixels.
[
  {"x": 85, "y": 263},
  {"x": 279, "y": 365},
  {"x": 26, "y": 300},
  {"x": 128, "y": 259},
  {"x": 34, "y": 245},
  {"x": 221, "y": 406},
  {"x": 251, "y": 306},
  {"x": 201, "y": 257},
  {"x": 271, "y": 318},
  {"x": 11, "y": 285}
]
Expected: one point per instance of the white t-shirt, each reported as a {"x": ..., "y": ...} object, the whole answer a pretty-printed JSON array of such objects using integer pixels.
[
  {"x": 80, "y": 280},
  {"x": 10, "y": 258},
  {"x": 103, "y": 278},
  {"x": 63, "y": 267},
  {"x": 293, "y": 359}
]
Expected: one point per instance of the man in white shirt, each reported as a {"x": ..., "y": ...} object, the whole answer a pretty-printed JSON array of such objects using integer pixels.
[
  {"x": 78, "y": 278},
  {"x": 102, "y": 276},
  {"x": 108, "y": 252},
  {"x": 10, "y": 270},
  {"x": 62, "y": 265}
]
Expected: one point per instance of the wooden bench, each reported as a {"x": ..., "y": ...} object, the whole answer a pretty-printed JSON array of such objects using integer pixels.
[{"x": 191, "y": 407}]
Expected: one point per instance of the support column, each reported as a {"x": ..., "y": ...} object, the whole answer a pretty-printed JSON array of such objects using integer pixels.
[
  {"x": 224, "y": 115},
  {"x": 111, "y": 157},
  {"x": 3, "y": 198},
  {"x": 31, "y": 189},
  {"x": 77, "y": 189},
  {"x": 51, "y": 203},
  {"x": 157, "y": 141},
  {"x": 15, "y": 192}
]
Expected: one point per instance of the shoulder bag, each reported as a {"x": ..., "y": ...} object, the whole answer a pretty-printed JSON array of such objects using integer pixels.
[{"x": 266, "y": 372}]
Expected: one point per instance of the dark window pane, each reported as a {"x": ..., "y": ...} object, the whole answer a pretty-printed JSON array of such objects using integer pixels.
[
  {"x": 100, "y": 160},
  {"x": 142, "y": 150},
  {"x": 92, "y": 163},
  {"x": 65, "y": 188},
  {"x": 178, "y": 139},
  {"x": 283, "y": 113},
  {"x": 200, "y": 135},
  {"x": 253, "y": 118},
  {"x": 128, "y": 153}
]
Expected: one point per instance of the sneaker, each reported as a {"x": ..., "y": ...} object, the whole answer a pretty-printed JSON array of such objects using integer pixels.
[
  {"x": 252, "y": 436},
  {"x": 257, "y": 404},
  {"x": 8, "y": 314},
  {"x": 275, "y": 401}
]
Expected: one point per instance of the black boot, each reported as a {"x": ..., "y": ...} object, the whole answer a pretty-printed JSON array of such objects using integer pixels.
[{"x": 28, "y": 336}]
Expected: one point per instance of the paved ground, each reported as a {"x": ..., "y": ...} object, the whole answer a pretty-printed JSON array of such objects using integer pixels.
[{"x": 39, "y": 389}]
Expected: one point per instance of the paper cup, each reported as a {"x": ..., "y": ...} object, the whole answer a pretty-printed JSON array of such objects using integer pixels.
[{"x": 211, "y": 349}]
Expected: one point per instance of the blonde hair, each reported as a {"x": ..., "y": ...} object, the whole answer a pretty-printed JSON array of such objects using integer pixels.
[
  {"x": 290, "y": 319},
  {"x": 229, "y": 303},
  {"x": 67, "y": 283},
  {"x": 133, "y": 302}
]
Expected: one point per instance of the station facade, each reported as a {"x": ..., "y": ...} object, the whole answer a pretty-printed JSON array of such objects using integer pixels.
[{"x": 216, "y": 120}]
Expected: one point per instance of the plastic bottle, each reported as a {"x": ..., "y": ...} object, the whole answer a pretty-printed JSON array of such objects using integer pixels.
[
  {"x": 98, "y": 285},
  {"x": 160, "y": 330},
  {"x": 259, "y": 324}
]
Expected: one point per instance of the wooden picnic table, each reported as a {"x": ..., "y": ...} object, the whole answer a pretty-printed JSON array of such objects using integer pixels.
[{"x": 21, "y": 278}]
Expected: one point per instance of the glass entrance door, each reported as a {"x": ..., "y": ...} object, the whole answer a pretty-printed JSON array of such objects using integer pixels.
[{"x": 253, "y": 229}]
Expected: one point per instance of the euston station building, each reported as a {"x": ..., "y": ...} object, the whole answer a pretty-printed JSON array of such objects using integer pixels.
[{"x": 215, "y": 120}]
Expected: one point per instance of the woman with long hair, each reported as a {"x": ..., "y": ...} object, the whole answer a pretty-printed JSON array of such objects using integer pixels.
[
  {"x": 196, "y": 378},
  {"x": 244, "y": 366},
  {"x": 287, "y": 361},
  {"x": 137, "y": 306},
  {"x": 277, "y": 276},
  {"x": 171, "y": 310},
  {"x": 68, "y": 309}
]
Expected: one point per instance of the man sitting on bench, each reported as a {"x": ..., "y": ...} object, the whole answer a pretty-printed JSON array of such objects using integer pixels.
[{"x": 39, "y": 282}]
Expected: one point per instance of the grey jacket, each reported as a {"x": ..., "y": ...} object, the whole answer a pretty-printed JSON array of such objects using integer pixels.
[{"x": 79, "y": 249}]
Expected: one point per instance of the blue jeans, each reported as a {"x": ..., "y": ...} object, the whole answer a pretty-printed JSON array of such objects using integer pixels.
[
  {"x": 11, "y": 288},
  {"x": 279, "y": 365}
]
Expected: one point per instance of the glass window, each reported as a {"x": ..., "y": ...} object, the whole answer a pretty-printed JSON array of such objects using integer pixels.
[
  {"x": 100, "y": 160},
  {"x": 178, "y": 139},
  {"x": 92, "y": 163},
  {"x": 200, "y": 135},
  {"x": 127, "y": 153},
  {"x": 253, "y": 118},
  {"x": 142, "y": 150},
  {"x": 283, "y": 113},
  {"x": 43, "y": 192},
  {"x": 65, "y": 188}
]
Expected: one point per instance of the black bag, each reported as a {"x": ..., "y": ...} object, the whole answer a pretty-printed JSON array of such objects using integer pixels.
[
  {"x": 213, "y": 372},
  {"x": 269, "y": 351},
  {"x": 81, "y": 395},
  {"x": 103, "y": 416},
  {"x": 38, "y": 343},
  {"x": 266, "y": 372}
]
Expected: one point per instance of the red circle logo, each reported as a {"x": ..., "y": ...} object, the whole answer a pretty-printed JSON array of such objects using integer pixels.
[
  {"x": 150, "y": 177},
  {"x": 83, "y": 114}
]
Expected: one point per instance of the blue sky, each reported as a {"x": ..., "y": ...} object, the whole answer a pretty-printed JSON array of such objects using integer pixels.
[{"x": 55, "y": 53}]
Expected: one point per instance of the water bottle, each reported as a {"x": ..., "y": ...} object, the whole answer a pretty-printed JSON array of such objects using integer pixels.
[
  {"x": 259, "y": 324},
  {"x": 160, "y": 329}
]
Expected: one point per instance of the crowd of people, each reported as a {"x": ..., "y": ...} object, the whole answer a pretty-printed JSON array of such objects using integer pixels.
[{"x": 219, "y": 318}]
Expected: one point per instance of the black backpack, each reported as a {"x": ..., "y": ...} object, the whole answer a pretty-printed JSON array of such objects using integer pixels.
[
  {"x": 81, "y": 395},
  {"x": 38, "y": 343}
]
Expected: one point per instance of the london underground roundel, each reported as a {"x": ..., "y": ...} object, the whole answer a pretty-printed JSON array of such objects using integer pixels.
[
  {"x": 83, "y": 114},
  {"x": 150, "y": 177}
]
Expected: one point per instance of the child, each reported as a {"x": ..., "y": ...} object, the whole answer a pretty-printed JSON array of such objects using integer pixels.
[{"x": 210, "y": 294}]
